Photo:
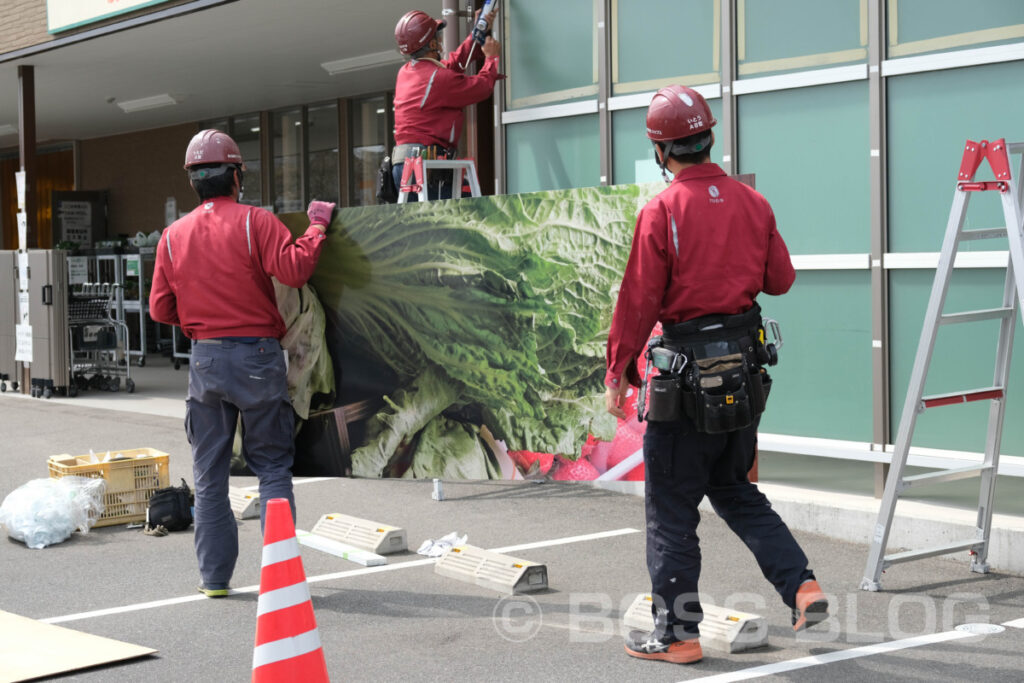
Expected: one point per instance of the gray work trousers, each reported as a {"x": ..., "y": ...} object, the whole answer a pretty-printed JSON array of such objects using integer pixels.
[{"x": 226, "y": 379}]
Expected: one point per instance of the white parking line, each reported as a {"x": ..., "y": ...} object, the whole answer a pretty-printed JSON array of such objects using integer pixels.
[
  {"x": 1016, "y": 623},
  {"x": 336, "y": 575},
  {"x": 837, "y": 656}
]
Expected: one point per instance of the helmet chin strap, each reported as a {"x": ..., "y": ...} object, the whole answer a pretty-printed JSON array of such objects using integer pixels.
[{"x": 659, "y": 154}]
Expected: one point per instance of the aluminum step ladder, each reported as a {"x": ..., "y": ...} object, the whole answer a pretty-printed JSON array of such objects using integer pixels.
[
  {"x": 414, "y": 177},
  {"x": 1009, "y": 189}
]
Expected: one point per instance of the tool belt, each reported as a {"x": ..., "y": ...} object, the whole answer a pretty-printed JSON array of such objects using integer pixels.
[
  {"x": 401, "y": 152},
  {"x": 711, "y": 370}
]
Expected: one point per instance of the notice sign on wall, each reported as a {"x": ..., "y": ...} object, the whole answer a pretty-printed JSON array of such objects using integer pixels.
[
  {"x": 23, "y": 349},
  {"x": 75, "y": 222},
  {"x": 62, "y": 15}
]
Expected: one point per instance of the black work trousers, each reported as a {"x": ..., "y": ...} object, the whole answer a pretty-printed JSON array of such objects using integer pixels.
[{"x": 683, "y": 465}]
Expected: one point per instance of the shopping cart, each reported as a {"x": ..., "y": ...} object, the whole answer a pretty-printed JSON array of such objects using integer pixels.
[{"x": 99, "y": 340}]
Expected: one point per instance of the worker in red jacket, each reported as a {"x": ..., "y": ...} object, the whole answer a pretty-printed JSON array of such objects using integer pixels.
[
  {"x": 212, "y": 278},
  {"x": 430, "y": 94},
  {"x": 702, "y": 251}
]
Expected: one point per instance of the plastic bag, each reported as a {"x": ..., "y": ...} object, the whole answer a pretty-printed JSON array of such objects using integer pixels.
[
  {"x": 432, "y": 548},
  {"x": 47, "y": 511}
]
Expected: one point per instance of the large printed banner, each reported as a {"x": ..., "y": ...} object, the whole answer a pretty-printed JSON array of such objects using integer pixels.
[
  {"x": 62, "y": 15},
  {"x": 478, "y": 328}
]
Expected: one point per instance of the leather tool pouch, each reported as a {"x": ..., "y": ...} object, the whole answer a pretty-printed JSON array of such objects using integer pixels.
[{"x": 723, "y": 388}]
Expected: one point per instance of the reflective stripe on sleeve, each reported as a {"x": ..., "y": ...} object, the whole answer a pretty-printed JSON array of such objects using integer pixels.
[
  {"x": 430, "y": 84},
  {"x": 248, "y": 236}
]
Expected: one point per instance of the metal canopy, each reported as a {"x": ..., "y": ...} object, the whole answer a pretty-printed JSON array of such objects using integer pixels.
[{"x": 232, "y": 58}]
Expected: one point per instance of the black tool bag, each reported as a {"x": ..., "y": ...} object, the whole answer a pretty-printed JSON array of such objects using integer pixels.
[
  {"x": 387, "y": 191},
  {"x": 724, "y": 387},
  {"x": 170, "y": 508}
]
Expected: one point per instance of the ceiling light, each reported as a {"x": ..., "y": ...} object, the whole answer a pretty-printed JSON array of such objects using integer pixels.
[
  {"x": 361, "y": 62},
  {"x": 381, "y": 110},
  {"x": 8, "y": 129},
  {"x": 255, "y": 129},
  {"x": 141, "y": 104}
]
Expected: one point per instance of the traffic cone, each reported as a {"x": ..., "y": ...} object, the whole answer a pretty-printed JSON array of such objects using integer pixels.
[{"x": 287, "y": 640}]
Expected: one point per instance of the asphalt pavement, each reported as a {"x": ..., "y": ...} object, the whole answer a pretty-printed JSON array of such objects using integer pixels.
[{"x": 402, "y": 621}]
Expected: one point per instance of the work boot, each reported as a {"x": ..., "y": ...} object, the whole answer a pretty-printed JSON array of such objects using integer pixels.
[
  {"x": 219, "y": 590},
  {"x": 811, "y": 606},
  {"x": 668, "y": 648}
]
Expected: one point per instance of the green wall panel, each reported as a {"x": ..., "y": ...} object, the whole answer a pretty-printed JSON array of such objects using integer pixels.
[
  {"x": 631, "y": 145},
  {"x": 785, "y": 29},
  {"x": 549, "y": 48},
  {"x": 931, "y": 115},
  {"x": 822, "y": 384},
  {"x": 964, "y": 359},
  {"x": 553, "y": 154},
  {"x": 924, "y": 19},
  {"x": 809, "y": 150},
  {"x": 642, "y": 56}
]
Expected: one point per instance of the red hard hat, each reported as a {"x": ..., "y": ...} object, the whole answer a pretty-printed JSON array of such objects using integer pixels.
[
  {"x": 212, "y": 147},
  {"x": 414, "y": 30},
  {"x": 678, "y": 112}
]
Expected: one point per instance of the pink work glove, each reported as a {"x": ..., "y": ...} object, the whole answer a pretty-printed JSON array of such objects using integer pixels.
[{"x": 320, "y": 213}]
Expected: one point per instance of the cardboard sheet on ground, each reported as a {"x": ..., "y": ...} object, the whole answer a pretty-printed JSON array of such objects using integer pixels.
[{"x": 30, "y": 649}]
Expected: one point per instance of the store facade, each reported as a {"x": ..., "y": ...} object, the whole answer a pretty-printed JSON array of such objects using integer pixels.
[{"x": 851, "y": 114}]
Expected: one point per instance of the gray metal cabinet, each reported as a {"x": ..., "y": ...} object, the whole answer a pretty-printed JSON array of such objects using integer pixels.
[
  {"x": 8, "y": 319},
  {"x": 48, "y": 297}
]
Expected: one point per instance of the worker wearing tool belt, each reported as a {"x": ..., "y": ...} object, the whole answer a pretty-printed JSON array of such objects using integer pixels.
[
  {"x": 702, "y": 251},
  {"x": 212, "y": 278},
  {"x": 430, "y": 94}
]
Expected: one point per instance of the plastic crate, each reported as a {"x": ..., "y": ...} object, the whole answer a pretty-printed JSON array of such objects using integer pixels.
[{"x": 131, "y": 480}]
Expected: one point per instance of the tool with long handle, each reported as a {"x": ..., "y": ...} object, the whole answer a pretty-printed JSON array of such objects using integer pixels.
[
  {"x": 1009, "y": 189},
  {"x": 481, "y": 30}
]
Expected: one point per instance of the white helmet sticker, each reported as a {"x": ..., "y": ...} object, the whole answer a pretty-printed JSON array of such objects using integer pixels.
[{"x": 686, "y": 99}]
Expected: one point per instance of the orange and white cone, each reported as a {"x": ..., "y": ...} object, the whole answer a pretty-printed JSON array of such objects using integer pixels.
[{"x": 287, "y": 640}]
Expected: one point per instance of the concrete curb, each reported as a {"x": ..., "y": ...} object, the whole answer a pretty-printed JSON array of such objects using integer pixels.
[{"x": 852, "y": 518}]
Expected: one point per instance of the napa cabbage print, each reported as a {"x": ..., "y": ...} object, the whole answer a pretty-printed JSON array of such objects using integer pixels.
[{"x": 486, "y": 319}]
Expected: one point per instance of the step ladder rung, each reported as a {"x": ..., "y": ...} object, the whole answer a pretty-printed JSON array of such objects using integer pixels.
[
  {"x": 942, "y": 476},
  {"x": 974, "y": 316},
  {"x": 932, "y": 552},
  {"x": 982, "y": 234},
  {"x": 986, "y": 394}
]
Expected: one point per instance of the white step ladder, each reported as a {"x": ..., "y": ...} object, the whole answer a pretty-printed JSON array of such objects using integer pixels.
[
  {"x": 1009, "y": 189},
  {"x": 414, "y": 177}
]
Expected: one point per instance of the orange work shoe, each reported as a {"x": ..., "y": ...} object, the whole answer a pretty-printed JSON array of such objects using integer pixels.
[
  {"x": 645, "y": 645},
  {"x": 811, "y": 606}
]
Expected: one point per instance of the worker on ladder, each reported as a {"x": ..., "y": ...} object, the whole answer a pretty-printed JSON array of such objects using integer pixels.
[
  {"x": 430, "y": 93},
  {"x": 702, "y": 251}
]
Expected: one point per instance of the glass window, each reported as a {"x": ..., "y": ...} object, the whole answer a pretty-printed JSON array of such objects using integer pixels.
[
  {"x": 246, "y": 132},
  {"x": 918, "y": 26},
  {"x": 964, "y": 358},
  {"x": 323, "y": 152},
  {"x": 808, "y": 148},
  {"x": 788, "y": 35},
  {"x": 642, "y": 60},
  {"x": 632, "y": 152},
  {"x": 288, "y": 169},
  {"x": 550, "y": 51},
  {"x": 553, "y": 154},
  {"x": 369, "y": 145},
  {"x": 924, "y": 159},
  {"x": 822, "y": 384}
]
